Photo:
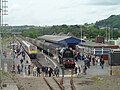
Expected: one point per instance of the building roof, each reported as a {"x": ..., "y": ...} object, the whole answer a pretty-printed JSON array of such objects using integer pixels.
[
  {"x": 60, "y": 39},
  {"x": 53, "y": 37},
  {"x": 70, "y": 34},
  {"x": 93, "y": 44},
  {"x": 62, "y": 34}
]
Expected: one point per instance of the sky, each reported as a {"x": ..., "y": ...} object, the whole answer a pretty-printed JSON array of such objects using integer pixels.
[{"x": 58, "y": 12}]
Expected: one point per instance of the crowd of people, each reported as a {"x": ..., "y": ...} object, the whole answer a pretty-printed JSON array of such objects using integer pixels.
[
  {"x": 46, "y": 71},
  {"x": 89, "y": 60},
  {"x": 24, "y": 66}
]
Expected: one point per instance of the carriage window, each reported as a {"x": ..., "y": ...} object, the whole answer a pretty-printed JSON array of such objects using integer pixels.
[
  {"x": 98, "y": 52},
  {"x": 106, "y": 52}
]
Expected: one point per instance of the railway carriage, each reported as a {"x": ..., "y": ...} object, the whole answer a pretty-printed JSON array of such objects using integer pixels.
[{"x": 30, "y": 49}]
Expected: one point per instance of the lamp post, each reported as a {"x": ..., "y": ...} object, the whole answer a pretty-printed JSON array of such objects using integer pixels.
[
  {"x": 3, "y": 11},
  {"x": 0, "y": 46},
  {"x": 81, "y": 41},
  {"x": 110, "y": 59}
]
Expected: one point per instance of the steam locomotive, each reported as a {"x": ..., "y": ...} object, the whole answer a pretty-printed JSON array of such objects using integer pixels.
[{"x": 66, "y": 57}]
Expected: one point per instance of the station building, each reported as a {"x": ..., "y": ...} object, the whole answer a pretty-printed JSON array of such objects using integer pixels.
[
  {"x": 63, "y": 40},
  {"x": 99, "y": 49}
]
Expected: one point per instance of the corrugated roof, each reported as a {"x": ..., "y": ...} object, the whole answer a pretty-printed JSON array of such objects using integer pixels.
[
  {"x": 70, "y": 34},
  {"x": 54, "y": 38},
  {"x": 61, "y": 34}
]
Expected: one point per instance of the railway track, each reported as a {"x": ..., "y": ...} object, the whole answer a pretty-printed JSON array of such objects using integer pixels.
[
  {"x": 62, "y": 84},
  {"x": 67, "y": 83},
  {"x": 36, "y": 63},
  {"x": 16, "y": 80},
  {"x": 52, "y": 83}
]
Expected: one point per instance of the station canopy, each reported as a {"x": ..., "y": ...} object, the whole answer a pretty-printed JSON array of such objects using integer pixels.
[{"x": 61, "y": 39}]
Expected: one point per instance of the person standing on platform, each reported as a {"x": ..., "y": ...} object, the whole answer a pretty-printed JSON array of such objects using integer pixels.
[
  {"x": 21, "y": 61},
  {"x": 34, "y": 71},
  {"x": 21, "y": 67},
  {"x": 46, "y": 71},
  {"x": 93, "y": 60},
  {"x": 84, "y": 69},
  {"x": 23, "y": 55},
  {"x": 76, "y": 69},
  {"x": 102, "y": 62},
  {"x": 18, "y": 68},
  {"x": 28, "y": 70},
  {"x": 57, "y": 71},
  {"x": 88, "y": 63},
  {"x": 38, "y": 71},
  {"x": 43, "y": 70},
  {"x": 50, "y": 71}
]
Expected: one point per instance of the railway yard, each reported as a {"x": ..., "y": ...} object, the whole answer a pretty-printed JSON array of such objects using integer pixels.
[
  {"x": 59, "y": 45},
  {"x": 94, "y": 79}
]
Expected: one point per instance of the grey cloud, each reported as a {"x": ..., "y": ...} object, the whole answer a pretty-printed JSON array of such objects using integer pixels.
[
  {"x": 102, "y": 2},
  {"x": 71, "y": 4},
  {"x": 50, "y": 12}
]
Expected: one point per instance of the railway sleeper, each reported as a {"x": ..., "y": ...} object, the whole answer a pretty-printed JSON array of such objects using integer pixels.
[
  {"x": 60, "y": 85},
  {"x": 51, "y": 88},
  {"x": 16, "y": 80},
  {"x": 72, "y": 84}
]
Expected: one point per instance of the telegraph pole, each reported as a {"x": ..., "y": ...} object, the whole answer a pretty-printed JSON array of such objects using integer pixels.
[
  {"x": 0, "y": 45},
  {"x": 107, "y": 34},
  {"x": 109, "y": 30},
  {"x": 3, "y": 11},
  {"x": 81, "y": 41}
]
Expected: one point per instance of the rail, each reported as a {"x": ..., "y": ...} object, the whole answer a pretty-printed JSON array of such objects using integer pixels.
[
  {"x": 60, "y": 85},
  {"x": 72, "y": 84},
  {"x": 16, "y": 80},
  {"x": 51, "y": 88}
]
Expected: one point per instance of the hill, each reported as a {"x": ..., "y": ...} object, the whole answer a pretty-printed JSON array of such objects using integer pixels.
[{"x": 113, "y": 21}]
